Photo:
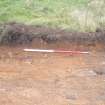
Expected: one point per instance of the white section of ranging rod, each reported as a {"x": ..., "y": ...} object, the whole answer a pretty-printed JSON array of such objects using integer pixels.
[
  {"x": 39, "y": 50},
  {"x": 55, "y": 51}
]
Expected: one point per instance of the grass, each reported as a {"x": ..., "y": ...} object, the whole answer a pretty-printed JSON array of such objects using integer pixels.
[{"x": 79, "y": 15}]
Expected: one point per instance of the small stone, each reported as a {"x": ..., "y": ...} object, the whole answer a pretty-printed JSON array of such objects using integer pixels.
[
  {"x": 10, "y": 54},
  {"x": 103, "y": 63},
  {"x": 45, "y": 55},
  {"x": 86, "y": 73},
  {"x": 100, "y": 71},
  {"x": 28, "y": 61},
  {"x": 71, "y": 97}
]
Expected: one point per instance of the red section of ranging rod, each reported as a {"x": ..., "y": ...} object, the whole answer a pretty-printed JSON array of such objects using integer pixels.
[
  {"x": 56, "y": 51},
  {"x": 71, "y": 52}
]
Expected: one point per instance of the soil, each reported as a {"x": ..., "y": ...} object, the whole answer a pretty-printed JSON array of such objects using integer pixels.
[
  {"x": 15, "y": 34},
  {"x": 29, "y": 78}
]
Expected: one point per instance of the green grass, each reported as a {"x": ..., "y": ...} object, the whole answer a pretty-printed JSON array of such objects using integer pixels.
[{"x": 79, "y": 15}]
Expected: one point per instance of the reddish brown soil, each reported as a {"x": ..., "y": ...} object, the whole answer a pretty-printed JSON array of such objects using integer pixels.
[
  {"x": 28, "y": 78},
  {"x": 51, "y": 79}
]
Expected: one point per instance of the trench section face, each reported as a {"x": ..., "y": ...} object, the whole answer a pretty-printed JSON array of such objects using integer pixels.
[{"x": 20, "y": 34}]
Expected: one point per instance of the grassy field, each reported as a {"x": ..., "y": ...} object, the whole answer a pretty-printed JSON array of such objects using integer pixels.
[{"x": 78, "y": 15}]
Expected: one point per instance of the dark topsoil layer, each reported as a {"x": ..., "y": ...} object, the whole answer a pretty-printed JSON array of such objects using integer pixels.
[{"x": 16, "y": 34}]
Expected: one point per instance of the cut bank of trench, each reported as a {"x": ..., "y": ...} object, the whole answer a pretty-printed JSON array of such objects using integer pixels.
[{"x": 20, "y": 34}]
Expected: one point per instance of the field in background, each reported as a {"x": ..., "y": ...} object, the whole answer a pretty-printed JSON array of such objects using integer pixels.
[{"x": 78, "y": 15}]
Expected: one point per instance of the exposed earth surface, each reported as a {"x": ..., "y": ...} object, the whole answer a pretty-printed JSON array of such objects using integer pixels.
[{"x": 29, "y": 78}]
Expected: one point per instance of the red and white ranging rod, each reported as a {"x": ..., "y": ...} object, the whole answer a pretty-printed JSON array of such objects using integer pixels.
[{"x": 55, "y": 51}]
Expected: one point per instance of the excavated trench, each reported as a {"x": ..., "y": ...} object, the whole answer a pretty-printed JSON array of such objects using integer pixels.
[{"x": 29, "y": 78}]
